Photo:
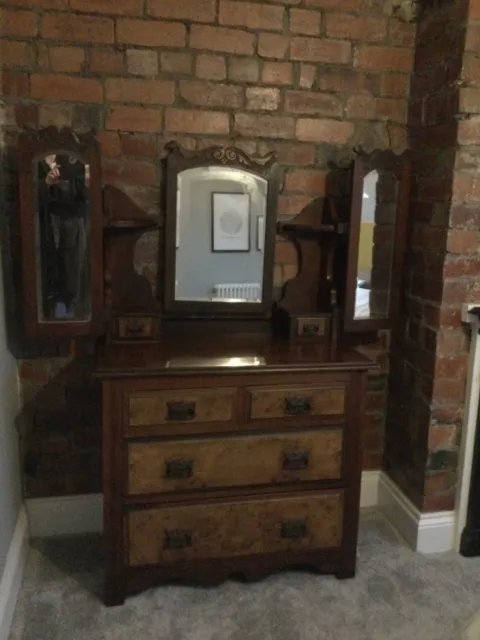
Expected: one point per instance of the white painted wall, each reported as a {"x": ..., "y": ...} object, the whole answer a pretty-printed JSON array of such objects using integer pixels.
[{"x": 10, "y": 486}]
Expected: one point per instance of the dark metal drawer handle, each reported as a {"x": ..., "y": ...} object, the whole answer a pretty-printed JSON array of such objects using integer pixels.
[
  {"x": 134, "y": 329},
  {"x": 179, "y": 468},
  {"x": 178, "y": 539},
  {"x": 180, "y": 411},
  {"x": 293, "y": 529},
  {"x": 295, "y": 460},
  {"x": 297, "y": 406},
  {"x": 310, "y": 329}
]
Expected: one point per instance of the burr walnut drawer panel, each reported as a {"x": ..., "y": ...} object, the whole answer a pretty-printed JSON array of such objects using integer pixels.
[
  {"x": 229, "y": 529},
  {"x": 295, "y": 403},
  {"x": 156, "y": 408},
  {"x": 157, "y": 467},
  {"x": 136, "y": 328}
]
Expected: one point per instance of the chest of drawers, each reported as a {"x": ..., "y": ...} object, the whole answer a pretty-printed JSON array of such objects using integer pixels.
[{"x": 217, "y": 471}]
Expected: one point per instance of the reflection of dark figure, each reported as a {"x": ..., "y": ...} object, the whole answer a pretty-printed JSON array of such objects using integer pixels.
[{"x": 63, "y": 201}]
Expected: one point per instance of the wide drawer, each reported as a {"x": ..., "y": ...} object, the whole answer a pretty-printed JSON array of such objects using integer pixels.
[
  {"x": 154, "y": 408},
  {"x": 156, "y": 467},
  {"x": 295, "y": 402},
  {"x": 229, "y": 529}
]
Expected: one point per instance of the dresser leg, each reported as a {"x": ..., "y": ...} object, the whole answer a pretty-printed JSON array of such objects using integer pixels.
[
  {"x": 113, "y": 596},
  {"x": 345, "y": 574}
]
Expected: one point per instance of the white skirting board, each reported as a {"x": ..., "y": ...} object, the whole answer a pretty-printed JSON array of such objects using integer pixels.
[
  {"x": 428, "y": 533},
  {"x": 424, "y": 532},
  {"x": 13, "y": 572}
]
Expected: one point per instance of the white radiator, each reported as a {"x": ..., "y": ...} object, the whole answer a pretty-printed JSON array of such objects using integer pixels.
[{"x": 239, "y": 291}]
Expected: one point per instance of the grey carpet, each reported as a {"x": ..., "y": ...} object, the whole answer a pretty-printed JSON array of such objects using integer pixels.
[{"x": 397, "y": 595}]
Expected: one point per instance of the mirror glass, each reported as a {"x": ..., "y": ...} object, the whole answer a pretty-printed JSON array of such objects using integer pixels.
[
  {"x": 220, "y": 235},
  {"x": 62, "y": 236},
  {"x": 376, "y": 245}
]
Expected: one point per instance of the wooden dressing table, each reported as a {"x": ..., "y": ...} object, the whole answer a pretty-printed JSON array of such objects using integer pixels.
[{"x": 231, "y": 427}]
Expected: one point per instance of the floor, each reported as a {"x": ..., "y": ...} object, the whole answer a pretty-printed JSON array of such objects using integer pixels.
[{"x": 396, "y": 595}]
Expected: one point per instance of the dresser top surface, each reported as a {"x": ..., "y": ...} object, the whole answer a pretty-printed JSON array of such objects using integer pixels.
[{"x": 224, "y": 355}]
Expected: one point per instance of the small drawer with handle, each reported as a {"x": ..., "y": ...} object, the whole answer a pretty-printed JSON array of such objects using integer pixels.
[
  {"x": 250, "y": 460},
  {"x": 181, "y": 406},
  {"x": 233, "y": 529},
  {"x": 300, "y": 403},
  {"x": 136, "y": 328}
]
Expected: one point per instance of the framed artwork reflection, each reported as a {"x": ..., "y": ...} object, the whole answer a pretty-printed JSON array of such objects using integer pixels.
[{"x": 230, "y": 222}]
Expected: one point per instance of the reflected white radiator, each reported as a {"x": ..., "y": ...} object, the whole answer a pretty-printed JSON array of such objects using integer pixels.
[{"x": 251, "y": 291}]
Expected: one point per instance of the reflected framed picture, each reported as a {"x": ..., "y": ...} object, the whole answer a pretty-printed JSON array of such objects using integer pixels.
[{"x": 230, "y": 222}]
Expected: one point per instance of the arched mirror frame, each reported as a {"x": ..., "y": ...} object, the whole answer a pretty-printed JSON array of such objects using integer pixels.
[
  {"x": 32, "y": 144},
  {"x": 178, "y": 160},
  {"x": 400, "y": 167}
]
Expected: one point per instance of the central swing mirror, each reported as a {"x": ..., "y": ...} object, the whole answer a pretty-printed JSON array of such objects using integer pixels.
[{"x": 219, "y": 232}]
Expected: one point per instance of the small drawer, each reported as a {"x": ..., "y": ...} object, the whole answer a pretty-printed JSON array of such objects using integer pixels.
[
  {"x": 231, "y": 529},
  {"x": 312, "y": 327},
  {"x": 295, "y": 403},
  {"x": 180, "y": 406},
  {"x": 136, "y": 328},
  {"x": 157, "y": 467}
]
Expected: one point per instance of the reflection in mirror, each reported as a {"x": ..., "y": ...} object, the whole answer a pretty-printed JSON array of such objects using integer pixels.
[
  {"x": 220, "y": 235},
  {"x": 376, "y": 246},
  {"x": 62, "y": 237}
]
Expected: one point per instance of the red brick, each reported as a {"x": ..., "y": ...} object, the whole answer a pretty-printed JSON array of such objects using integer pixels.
[
  {"x": 292, "y": 205},
  {"x": 139, "y": 146},
  {"x": 469, "y": 99},
  {"x": 106, "y": 60},
  {"x": 401, "y": 34},
  {"x": 196, "y": 11},
  {"x": 151, "y": 33},
  {"x": 271, "y": 45},
  {"x": 252, "y": 15},
  {"x": 290, "y": 153},
  {"x": 70, "y": 89},
  {"x": 129, "y": 172},
  {"x": 380, "y": 58},
  {"x": 27, "y": 114},
  {"x": 16, "y": 54},
  {"x": 211, "y": 67},
  {"x": 243, "y": 70},
  {"x": 305, "y": 22},
  {"x": 221, "y": 39},
  {"x": 109, "y": 143},
  {"x": 64, "y": 26},
  {"x": 346, "y": 81},
  {"x": 141, "y": 62},
  {"x": 306, "y": 181},
  {"x": 320, "y": 50},
  {"x": 138, "y": 119},
  {"x": 312, "y": 102},
  {"x": 178, "y": 63},
  {"x": 262, "y": 99},
  {"x": 210, "y": 94},
  {"x": 327, "y": 131},
  {"x": 277, "y": 73},
  {"x": 140, "y": 91},
  {"x": 465, "y": 187},
  {"x": 442, "y": 436},
  {"x": 469, "y": 131},
  {"x": 452, "y": 367},
  {"x": 57, "y": 115},
  {"x": 15, "y": 84},
  {"x": 263, "y": 126},
  {"x": 395, "y": 84},
  {"x": 285, "y": 252},
  {"x": 347, "y": 5},
  {"x": 21, "y": 24},
  {"x": 343, "y": 25},
  {"x": 116, "y": 7},
  {"x": 204, "y": 122},
  {"x": 441, "y": 481},
  {"x": 40, "y": 4},
  {"x": 462, "y": 241},
  {"x": 450, "y": 342},
  {"x": 472, "y": 41},
  {"x": 308, "y": 75},
  {"x": 67, "y": 59}
]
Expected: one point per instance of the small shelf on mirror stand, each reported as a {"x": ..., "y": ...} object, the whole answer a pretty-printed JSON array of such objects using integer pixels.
[{"x": 132, "y": 224}]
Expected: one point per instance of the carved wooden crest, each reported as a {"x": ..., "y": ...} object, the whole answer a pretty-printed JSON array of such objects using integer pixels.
[{"x": 221, "y": 155}]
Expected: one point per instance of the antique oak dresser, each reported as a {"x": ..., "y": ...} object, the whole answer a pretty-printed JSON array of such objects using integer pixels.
[{"x": 232, "y": 402}]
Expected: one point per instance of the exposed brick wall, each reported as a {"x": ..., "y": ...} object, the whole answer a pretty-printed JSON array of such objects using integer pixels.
[
  {"x": 429, "y": 366},
  {"x": 308, "y": 78}
]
